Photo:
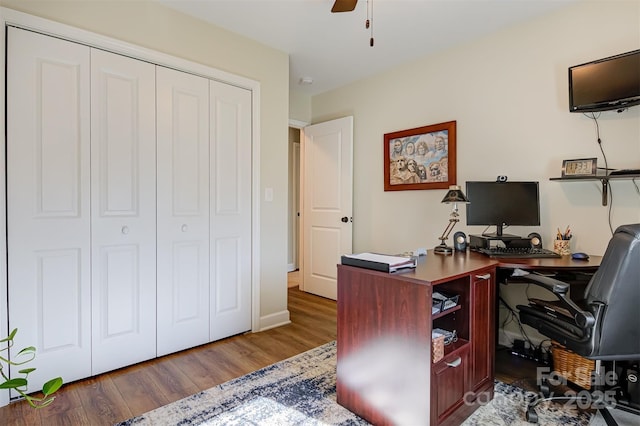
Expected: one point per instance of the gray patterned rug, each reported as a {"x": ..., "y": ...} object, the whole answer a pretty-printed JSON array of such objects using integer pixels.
[{"x": 302, "y": 391}]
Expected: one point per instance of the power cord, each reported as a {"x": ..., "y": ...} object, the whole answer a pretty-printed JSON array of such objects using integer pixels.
[
  {"x": 513, "y": 315},
  {"x": 595, "y": 117},
  {"x": 538, "y": 352}
]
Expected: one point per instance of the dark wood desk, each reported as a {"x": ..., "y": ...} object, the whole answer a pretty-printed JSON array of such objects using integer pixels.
[
  {"x": 565, "y": 263},
  {"x": 385, "y": 372}
]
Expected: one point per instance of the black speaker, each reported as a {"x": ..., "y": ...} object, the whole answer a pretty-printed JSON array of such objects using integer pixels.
[
  {"x": 536, "y": 240},
  {"x": 460, "y": 241}
]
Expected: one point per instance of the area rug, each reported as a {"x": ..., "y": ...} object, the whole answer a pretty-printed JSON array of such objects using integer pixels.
[{"x": 302, "y": 391}]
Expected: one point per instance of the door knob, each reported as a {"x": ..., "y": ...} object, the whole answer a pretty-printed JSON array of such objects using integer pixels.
[{"x": 345, "y": 219}]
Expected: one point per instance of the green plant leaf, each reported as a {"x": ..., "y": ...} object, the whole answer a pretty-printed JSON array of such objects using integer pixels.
[
  {"x": 51, "y": 386},
  {"x": 20, "y": 384},
  {"x": 10, "y": 336},
  {"x": 13, "y": 383},
  {"x": 29, "y": 350}
]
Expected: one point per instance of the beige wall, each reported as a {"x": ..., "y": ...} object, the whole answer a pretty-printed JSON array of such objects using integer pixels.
[
  {"x": 508, "y": 93},
  {"x": 299, "y": 106},
  {"x": 156, "y": 27}
]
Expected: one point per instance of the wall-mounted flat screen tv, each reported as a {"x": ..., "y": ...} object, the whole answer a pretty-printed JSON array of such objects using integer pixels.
[{"x": 611, "y": 83}]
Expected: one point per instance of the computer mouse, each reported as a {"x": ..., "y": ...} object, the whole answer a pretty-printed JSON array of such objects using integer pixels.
[{"x": 580, "y": 256}]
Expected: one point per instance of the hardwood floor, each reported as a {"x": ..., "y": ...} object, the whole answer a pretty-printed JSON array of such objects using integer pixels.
[{"x": 130, "y": 391}]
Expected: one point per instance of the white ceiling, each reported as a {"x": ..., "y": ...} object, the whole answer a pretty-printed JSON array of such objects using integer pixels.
[{"x": 333, "y": 48}]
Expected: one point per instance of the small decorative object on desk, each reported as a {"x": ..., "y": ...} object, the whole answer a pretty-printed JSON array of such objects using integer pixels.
[
  {"x": 562, "y": 243},
  {"x": 379, "y": 262}
]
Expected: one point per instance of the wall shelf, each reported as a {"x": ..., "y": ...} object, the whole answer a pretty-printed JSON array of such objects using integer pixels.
[{"x": 603, "y": 179}]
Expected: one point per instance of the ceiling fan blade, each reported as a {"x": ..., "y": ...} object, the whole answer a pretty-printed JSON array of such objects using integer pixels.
[{"x": 344, "y": 6}]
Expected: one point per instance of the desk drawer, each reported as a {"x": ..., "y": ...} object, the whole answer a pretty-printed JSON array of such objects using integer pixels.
[{"x": 449, "y": 383}]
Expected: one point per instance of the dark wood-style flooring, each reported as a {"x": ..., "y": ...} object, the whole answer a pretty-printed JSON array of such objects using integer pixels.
[
  {"x": 124, "y": 393},
  {"x": 118, "y": 395}
]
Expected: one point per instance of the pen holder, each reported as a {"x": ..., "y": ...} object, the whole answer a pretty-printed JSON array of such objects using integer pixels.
[{"x": 562, "y": 247}]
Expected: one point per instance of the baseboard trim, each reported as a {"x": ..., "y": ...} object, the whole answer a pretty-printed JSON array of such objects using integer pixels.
[{"x": 277, "y": 319}]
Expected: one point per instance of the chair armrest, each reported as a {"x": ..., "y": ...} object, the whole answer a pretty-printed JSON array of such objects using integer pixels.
[
  {"x": 555, "y": 286},
  {"x": 560, "y": 289}
]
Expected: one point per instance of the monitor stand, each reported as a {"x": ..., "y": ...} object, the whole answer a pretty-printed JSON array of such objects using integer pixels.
[
  {"x": 499, "y": 235},
  {"x": 503, "y": 237},
  {"x": 484, "y": 241}
]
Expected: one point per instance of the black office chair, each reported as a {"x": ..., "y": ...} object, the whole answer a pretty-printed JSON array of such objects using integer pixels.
[{"x": 605, "y": 326}]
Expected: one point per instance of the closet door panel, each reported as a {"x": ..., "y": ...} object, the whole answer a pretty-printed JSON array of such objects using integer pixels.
[
  {"x": 48, "y": 210},
  {"x": 183, "y": 210},
  {"x": 230, "y": 210},
  {"x": 123, "y": 196}
]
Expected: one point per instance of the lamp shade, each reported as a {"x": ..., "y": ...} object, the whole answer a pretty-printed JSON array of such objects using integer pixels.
[{"x": 455, "y": 195}]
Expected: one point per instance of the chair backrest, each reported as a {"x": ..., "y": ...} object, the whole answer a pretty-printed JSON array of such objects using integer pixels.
[{"x": 616, "y": 284}]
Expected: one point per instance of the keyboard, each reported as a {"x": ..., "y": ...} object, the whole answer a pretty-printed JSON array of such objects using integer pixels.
[{"x": 519, "y": 252}]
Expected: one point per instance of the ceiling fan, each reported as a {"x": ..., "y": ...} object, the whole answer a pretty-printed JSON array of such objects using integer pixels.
[
  {"x": 349, "y": 6},
  {"x": 344, "y": 6}
]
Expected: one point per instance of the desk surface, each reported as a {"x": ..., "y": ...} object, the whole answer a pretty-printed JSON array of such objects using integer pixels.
[{"x": 434, "y": 268}]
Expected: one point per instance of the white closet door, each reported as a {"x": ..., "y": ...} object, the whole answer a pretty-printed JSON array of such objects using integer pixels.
[
  {"x": 230, "y": 210},
  {"x": 123, "y": 202},
  {"x": 48, "y": 212},
  {"x": 183, "y": 210}
]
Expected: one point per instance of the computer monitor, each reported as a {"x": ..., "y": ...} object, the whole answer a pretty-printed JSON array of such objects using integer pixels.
[{"x": 502, "y": 204}]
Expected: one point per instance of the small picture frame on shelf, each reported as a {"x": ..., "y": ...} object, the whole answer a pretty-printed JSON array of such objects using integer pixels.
[{"x": 579, "y": 167}]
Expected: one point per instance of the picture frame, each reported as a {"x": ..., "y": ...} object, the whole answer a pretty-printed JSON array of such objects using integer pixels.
[
  {"x": 420, "y": 158},
  {"x": 580, "y": 167}
]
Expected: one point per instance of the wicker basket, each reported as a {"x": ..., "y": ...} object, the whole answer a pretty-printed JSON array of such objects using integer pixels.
[
  {"x": 571, "y": 366},
  {"x": 437, "y": 346}
]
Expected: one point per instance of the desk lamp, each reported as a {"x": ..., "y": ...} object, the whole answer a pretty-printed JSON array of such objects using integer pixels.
[{"x": 455, "y": 196}]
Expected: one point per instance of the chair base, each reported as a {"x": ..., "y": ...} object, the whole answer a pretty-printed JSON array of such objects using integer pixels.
[
  {"x": 588, "y": 399},
  {"x": 600, "y": 397},
  {"x": 532, "y": 416}
]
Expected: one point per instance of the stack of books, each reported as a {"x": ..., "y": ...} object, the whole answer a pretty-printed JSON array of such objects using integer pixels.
[{"x": 379, "y": 262}]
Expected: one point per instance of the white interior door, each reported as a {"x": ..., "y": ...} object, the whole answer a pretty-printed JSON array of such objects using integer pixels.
[
  {"x": 183, "y": 210},
  {"x": 48, "y": 204},
  {"x": 230, "y": 211},
  {"x": 327, "y": 203},
  {"x": 123, "y": 193}
]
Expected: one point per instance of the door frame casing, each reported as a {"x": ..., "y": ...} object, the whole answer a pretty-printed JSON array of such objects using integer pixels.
[
  {"x": 297, "y": 224},
  {"x": 10, "y": 17}
]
